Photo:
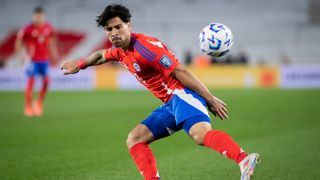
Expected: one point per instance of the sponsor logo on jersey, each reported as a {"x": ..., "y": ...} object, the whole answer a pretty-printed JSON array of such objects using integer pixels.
[
  {"x": 136, "y": 67},
  {"x": 166, "y": 61}
]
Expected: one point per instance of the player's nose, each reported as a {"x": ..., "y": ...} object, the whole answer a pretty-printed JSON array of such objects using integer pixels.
[{"x": 114, "y": 32}]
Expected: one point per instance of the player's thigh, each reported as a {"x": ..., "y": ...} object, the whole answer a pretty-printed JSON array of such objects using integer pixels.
[
  {"x": 161, "y": 123},
  {"x": 196, "y": 124},
  {"x": 42, "y": 68},
  {"x": 199, "y": 130},
  {"x": 30, "y": 69},
  {"x": 189, "y": 108},
  {"x": 191, "y": 113}
]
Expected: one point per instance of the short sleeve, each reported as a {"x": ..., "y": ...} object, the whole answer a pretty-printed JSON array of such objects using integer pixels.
[
  {"x": 111, "y": 54},
  {"x": 165, "y": 62}
]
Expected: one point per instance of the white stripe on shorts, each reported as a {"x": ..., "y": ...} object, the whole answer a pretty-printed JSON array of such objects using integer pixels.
[{"x": 188, "y": 98}]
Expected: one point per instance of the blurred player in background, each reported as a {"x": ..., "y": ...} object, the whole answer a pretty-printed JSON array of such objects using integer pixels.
[
  {"x": 185, "y": 98},
  {"x": 37, "y": 38}
]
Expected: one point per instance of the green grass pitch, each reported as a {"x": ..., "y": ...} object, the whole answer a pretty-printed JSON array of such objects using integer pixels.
[{"x": 82, "y": 136}]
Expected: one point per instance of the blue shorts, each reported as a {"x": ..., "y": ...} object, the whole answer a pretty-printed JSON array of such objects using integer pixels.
[
  {"x": 37, "y": 68},
  {"x": 182, "y": 111}
]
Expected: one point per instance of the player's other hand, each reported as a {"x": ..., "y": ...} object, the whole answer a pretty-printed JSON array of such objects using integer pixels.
[
  {"x": 69, "y": 67},
  {"x": 25, "y": 58},
  {"x": 25, "y": 61},
  {"x": 218, "y": 108}
]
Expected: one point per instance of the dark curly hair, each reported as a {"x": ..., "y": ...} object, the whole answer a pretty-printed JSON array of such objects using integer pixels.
[
  {"x": 38, "y": 10},
  {"x": 111, "y": 11}
]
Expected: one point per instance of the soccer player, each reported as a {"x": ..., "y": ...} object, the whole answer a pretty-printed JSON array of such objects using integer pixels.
[
  {"x": 185, "y": 97},
  {"x": 37, "y": 38}
]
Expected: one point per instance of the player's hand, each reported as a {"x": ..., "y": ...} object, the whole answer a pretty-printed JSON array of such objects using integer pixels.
[
  {"x": 69, "y": 67},
  {"x": 25, "y": 60},
  {"x": 218, "y": 108}
]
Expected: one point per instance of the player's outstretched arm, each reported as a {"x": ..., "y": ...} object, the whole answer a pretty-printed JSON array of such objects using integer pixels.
[
  {"x": 54, "y": 50},
  {"x": 18, "y": 46},
  {"x": 215, "y": 105},
  {"x": 74, "y": 66}
]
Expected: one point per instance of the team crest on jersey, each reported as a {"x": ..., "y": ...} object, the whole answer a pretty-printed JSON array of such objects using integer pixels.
[
  {"x": 136, "y": 67},
  {"x": 166, "y": 61}
]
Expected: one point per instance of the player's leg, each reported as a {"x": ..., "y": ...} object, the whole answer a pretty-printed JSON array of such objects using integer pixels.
[
  {"x": 221, "y": 142},
  {"x": 190, "y": 111},
  {"x": 137, "y": 142},
  {"x": 158, "y": 125},
  {"x": 202, "y": 134},
  {"x": 42, "y": 69},
  {"x": 139, "y": 134},
  {"x": 30, "y": 72}
]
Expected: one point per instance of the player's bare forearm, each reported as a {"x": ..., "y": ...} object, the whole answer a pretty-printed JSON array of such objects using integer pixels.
[
  {"x": 72, "y": 67},
  {"x": 215, "y": 105},
  {"x": 19, "y": 51},
  {"x": 95, "y": 58},
  {"x": 18, "y": 46},
  {"x": 192, "y": 82},
  {"x": 53, "y": 49}
]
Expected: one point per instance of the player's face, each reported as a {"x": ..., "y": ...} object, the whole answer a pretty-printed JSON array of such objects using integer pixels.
[
  {"x": 118, "y": 32},
  {"x": 38, "y": 18}
]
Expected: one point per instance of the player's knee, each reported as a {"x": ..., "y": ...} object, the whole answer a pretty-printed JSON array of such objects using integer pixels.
[
  {"x": 132, "y": 139},
  {"x": 139, "y": 134},
  {"x": 198, "y": 138},
  {"x": 199, "y": 131}
]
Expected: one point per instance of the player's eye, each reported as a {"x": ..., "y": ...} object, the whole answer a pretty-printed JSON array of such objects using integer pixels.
[
  {"x": 108, "y": 28},
  {"x": 118, "y": 27}
]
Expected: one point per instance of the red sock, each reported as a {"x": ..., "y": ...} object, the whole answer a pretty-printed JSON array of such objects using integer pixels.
[
  {"x": 28, "y": 92},
  {"x": 145, "y": 161},
  {"x": 43, "y": 91},
  {"x": 225, "y": 145}
]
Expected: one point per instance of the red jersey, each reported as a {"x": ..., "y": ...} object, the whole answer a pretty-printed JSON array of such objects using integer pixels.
[
  {"x": 150, "y": 62},
  {"x": 36, "y": 40}
]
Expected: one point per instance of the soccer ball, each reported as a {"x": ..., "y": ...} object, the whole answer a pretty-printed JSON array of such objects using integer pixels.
[{"x": 215, "y": 39}]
